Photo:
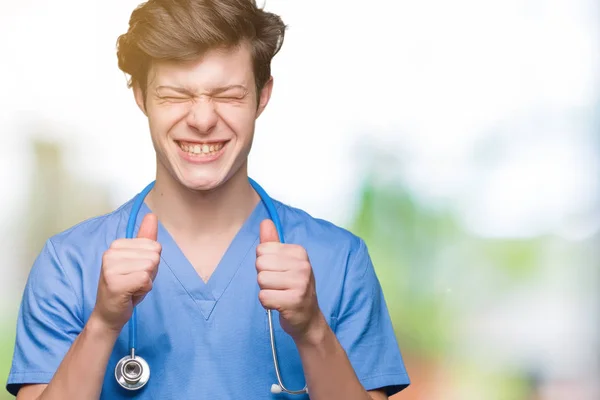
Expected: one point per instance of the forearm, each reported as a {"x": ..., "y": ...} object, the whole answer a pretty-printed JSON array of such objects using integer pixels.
[
  {"x": 82, "y": 371},
  {"x": 329, "y": 374}
]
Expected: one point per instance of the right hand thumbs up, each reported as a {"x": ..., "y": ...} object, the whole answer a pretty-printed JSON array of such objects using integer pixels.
[
  {"x": 129, "y": 267},
  {"x": 149, "y": 227}
]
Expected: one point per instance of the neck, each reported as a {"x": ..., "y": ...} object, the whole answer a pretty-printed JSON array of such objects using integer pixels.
[{"x": 200, "y": 214}]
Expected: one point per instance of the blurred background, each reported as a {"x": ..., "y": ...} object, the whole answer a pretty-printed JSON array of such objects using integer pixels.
[{"x": 460, "y": 139}]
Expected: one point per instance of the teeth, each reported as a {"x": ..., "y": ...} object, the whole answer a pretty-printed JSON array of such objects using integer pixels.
[{"x": 201, "y": 149}]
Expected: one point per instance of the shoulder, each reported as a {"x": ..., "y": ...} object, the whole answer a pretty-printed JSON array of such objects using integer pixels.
[
  {"x": 299, "y": 222},
  {"x": 94, "y": 229},
  {"x": 321, "y": 237},
  {"x": 80, "y": 245},
  {"x": 72, "y": 257}
]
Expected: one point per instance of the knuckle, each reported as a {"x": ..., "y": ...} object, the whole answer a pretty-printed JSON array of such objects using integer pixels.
[
  {"x": 150, "y": 244},
  {"x": 298, "y": 250},
  {"x": 107, "y": 274},
  {"x": 297, "y": 297},
  {"x": 294, "y": 250},
  {"x": 263, "y": 296},
  {"x": 262, "y": 278},
  {"x": 104, "y": 277},
  {"x": 148, "y": 283},
  {"x": 145, "y": 281},
  {"x": 139, "y": 242},
  {"x": 148, "y": 264},
  {"x": 155, "y": 259},
  {"x": 118, "y": 244},
  {"x": 305, "y": 267},
  {"x": 267, "y": 248},
  {"x": 108, "y": 255},
  {"x": 260, "y": 263}
]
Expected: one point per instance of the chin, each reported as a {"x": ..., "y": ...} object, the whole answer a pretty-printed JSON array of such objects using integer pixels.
[{"x": 203, "y": 182}]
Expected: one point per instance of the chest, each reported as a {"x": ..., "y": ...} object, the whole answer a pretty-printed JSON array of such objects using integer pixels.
[
  {"x": 204, "y": 256},
  {"x": 222, "y": 354},
  {"x": 204, "y": 260}
]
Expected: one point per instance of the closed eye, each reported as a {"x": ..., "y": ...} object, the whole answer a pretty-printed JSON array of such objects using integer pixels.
[
  {"x": 174, "y": 99},
  {"x": 230, "y": 97}
]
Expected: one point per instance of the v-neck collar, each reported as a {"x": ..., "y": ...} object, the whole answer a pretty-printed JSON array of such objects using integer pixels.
[{"x": 206, "y": 294}]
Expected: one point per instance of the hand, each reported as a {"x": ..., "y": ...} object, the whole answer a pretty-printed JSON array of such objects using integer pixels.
[
  {"x": 129, "y": 267},
  {"x": 287, "y": 283}
]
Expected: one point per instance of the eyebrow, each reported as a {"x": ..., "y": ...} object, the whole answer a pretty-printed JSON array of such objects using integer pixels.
[{"x": 214, "y": 91}]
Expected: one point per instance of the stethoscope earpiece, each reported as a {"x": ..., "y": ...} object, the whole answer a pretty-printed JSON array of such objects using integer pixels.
[{"x": 275, "y": 388}]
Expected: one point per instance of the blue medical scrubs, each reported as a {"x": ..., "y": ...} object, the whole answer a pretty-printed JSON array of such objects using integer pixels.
[{"x": 206, "y": 340}]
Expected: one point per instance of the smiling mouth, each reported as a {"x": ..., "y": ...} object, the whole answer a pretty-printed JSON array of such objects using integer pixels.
[{"x": 201, "y": 149}]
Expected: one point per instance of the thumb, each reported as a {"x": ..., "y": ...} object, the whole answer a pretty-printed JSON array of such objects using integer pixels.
[
  {"x": 268, "y": 233},
  {"x": 149, "y": 227}
]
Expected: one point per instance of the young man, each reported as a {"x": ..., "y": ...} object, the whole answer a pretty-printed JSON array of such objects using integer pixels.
[{"x": 206, "y": 261}]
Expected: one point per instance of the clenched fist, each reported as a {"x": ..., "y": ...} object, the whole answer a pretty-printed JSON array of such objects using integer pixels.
[
  {"x": 129, "y": 267},
  {"x": 287, "y": 283}
]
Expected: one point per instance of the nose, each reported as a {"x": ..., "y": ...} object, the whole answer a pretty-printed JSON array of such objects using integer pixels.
[{"x": 203, "y": 116}]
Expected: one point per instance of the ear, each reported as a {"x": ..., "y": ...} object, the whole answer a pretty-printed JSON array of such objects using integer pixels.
[
  {"x": 265, "y": 96},
  {"x": 139, "y": 98}
]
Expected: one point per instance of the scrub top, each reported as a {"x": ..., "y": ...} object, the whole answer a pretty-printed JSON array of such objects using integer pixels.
[{"x": 206, "y": 340}]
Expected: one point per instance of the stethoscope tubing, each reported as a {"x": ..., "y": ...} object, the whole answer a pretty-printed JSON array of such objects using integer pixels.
[
  {"x": 274, "y": 215},
  {"x": 139, "y": 200}
]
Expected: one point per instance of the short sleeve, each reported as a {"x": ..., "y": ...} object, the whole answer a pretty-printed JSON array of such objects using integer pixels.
[
  {"x": 364, "y": 328},
  {"x": 47, "y": 324}
]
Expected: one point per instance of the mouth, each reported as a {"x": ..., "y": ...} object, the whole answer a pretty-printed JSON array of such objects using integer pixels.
[{"x": 201, "y": 148}]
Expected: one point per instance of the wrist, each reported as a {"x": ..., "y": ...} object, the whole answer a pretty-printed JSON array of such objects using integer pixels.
[
  {"x": 98, "y": 328},
  {"x": 316, "y": 333}
]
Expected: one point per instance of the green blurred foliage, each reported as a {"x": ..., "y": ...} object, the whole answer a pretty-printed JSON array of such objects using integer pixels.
[
  {"x": 403, "y": 239},
  {"x": 518, "y": 259},
  {"x": 433, "y": 272},
  {"x": 7, "y": 338}
]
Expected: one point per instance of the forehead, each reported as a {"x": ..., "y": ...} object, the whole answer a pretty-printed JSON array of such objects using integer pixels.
[{"x": 215, "y": 68}]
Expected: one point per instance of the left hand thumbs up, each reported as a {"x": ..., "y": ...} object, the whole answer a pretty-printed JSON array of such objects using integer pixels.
[
  {"x": 286, "y": 282},
  {"x": 268, "y": 232}
]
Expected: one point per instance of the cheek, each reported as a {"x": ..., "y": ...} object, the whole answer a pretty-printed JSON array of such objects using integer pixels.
[
  {"x": 162, "y": 119},
  {"x": 239, "y": 119}
]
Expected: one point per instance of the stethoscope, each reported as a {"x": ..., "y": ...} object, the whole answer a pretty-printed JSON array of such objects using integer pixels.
[{"x": 132, "y": 371}]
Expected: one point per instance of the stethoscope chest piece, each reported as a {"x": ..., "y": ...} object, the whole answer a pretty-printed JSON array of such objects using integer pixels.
[{"x": 132, "y": 372}]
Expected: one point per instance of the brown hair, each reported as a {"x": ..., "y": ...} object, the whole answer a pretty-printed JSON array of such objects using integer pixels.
[{"x": 181, "y": 30}]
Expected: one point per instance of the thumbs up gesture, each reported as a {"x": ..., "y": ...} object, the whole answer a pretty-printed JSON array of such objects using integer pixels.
[
  {"x": 287, "y": 284},
  {"x": 129, "y": 267}
]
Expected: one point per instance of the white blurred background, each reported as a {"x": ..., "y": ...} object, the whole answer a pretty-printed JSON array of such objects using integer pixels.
[{"x": 460, "y": 139}]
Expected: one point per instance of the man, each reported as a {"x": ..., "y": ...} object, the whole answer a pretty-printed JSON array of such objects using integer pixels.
[{"x": 206, "y": 261}]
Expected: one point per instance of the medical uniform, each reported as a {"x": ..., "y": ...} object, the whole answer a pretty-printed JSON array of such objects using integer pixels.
[{"x": 206, "y": 340}]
